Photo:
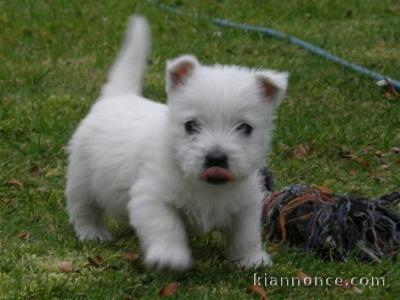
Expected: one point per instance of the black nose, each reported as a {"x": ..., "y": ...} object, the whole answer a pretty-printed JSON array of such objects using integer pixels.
[{"x": 216, "y": 159}]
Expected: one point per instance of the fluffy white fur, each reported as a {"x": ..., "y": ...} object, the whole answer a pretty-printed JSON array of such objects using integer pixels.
[{"x": 132, "y": 159}]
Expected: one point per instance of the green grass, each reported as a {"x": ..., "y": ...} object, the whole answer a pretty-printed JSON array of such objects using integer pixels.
[{"x": 54, "y": 57}]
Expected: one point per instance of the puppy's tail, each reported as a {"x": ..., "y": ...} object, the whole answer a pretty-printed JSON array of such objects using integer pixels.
[{"x": 127, "y": 72}]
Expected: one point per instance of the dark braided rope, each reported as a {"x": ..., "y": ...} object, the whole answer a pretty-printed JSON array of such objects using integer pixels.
[{"x": 332, "y": 225}]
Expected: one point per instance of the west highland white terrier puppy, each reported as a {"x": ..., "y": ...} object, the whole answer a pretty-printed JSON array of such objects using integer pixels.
[{"x": 190, "y": 164}]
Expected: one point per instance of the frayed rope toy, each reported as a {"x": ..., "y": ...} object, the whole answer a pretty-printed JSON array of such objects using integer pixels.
[{"x": 332, "y": 225}]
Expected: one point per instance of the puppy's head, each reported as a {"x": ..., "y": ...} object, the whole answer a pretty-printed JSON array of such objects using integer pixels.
[{"x": 221, "y": 117}]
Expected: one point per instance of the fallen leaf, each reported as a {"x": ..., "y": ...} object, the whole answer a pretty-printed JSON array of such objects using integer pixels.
[
  {"x": 393, "y": 8},
  {"x": 378, "y": 153},
  {"x": 388, "y": 95},
  {"x": 344, "y": 151},
  {"x": 35, "y": 171},
  {"x": 42, "y": 189},
  {"x": 169, "y": 290},
  {"x": 385, "y": 167},
  {"x": 258, "y": 290},
  {"x": 379, "y": 177},
  {"x": 53, "y": 173},
  {"x": 24, "y": 235},
  {"x": 129, "y": 256},
  {"x": 97, "y": 261},
  {"x": 304, "y": 278},
  {"x": 361, "y": 161},
  {"x": 353, "y": 172},
  {"x": 391, "y": 92},
  {"x": 300, "y": 152},
  {"x": 65, "y": 266},
  {"x": 15, "y": 182},
  {"x": 396, "y": 150},
  {"x": 348, "y": 285},
  {"x": 397, "y": 162}
]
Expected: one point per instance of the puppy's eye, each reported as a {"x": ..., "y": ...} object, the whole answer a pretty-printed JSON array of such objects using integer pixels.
[
  {"x": 192, "y": 127},
  {"x": 244, "y": 128}
]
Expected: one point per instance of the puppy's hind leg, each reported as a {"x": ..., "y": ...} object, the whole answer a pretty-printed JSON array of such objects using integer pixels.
[{"x": 86, "y": 217}]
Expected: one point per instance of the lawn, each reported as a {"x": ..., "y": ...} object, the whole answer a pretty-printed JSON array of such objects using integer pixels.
[{"x": 54, "y": 56}]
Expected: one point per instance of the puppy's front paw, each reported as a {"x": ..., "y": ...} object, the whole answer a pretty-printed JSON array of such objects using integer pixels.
[
  {"x": 92, "y": 232},
  {"x": 255, "y": 260},
  {"x": 173, "y": 257}
]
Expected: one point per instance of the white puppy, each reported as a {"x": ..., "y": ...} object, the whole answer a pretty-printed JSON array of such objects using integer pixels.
[{"x": 166, "y": 168}]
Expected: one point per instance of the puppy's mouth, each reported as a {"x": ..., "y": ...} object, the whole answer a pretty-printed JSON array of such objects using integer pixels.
[{"x": 217, "y": 175}]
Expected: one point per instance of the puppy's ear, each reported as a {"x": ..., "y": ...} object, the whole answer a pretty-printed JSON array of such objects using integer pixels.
[
  {"x": 179, "y": 70},
  {"x": 272, "y": 85}
]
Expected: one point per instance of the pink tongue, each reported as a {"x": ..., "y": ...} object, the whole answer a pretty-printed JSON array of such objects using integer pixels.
[{"x": 217, "y": 173}]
